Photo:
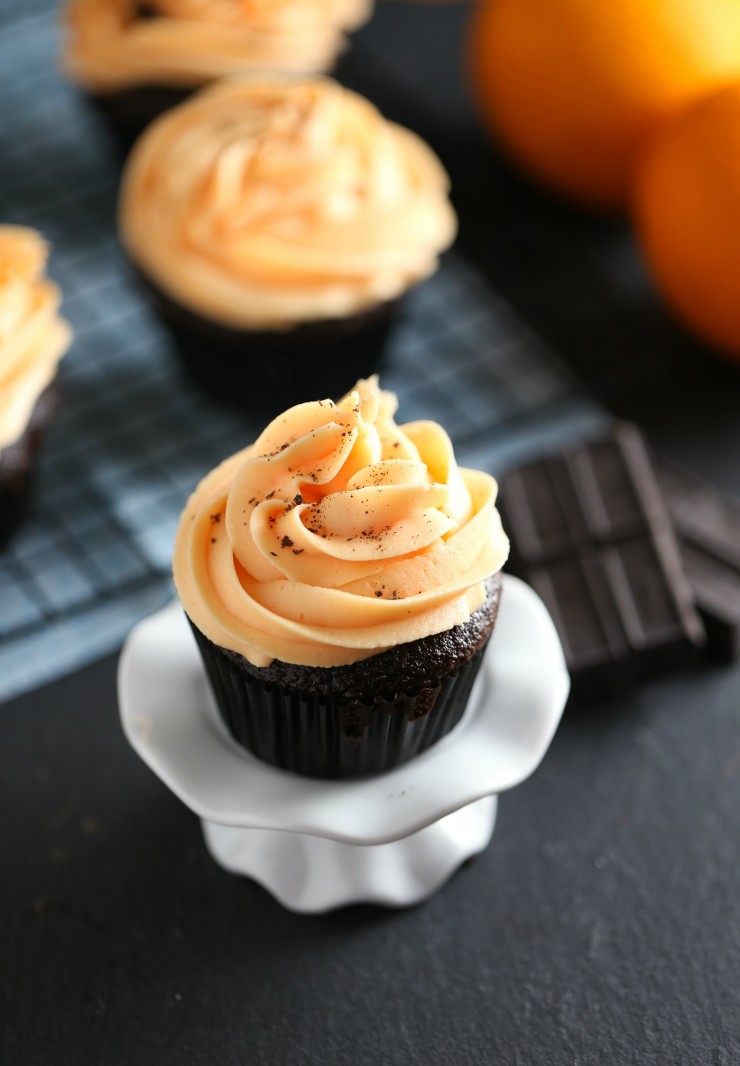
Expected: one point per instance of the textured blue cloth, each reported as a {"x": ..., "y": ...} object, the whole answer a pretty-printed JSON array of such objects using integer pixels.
[{"x": 131, "y": 437}]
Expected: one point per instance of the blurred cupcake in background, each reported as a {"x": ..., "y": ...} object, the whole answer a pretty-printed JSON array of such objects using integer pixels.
[
  {"x": 33, "y": 338},
  {"x": 276, "y": 223},
  {"x": 136, "y": 59}
]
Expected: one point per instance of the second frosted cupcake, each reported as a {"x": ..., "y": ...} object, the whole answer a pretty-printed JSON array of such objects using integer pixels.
[{"x": 275, "y": 224}]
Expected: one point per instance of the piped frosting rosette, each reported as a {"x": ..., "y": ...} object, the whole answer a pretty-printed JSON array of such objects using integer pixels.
[
  {"x": 116, "y": 44},
  {"x": 266, "y": 202},
  {"x": 337, "y": 535},
  {"x": 33, "y": 337}
]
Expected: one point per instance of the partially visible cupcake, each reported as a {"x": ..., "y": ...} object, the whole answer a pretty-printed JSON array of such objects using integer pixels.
[
  {"x": 136, "y": 59},
  {"x": 342, "y": 578},
  {"x": 33, "y": 338},
  {"x": 275, "y": 224}
]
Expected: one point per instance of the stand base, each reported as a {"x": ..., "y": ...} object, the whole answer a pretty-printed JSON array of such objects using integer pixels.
[{"x": 313, "y": 874}]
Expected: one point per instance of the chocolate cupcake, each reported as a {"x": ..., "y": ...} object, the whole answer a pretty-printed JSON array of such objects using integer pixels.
[
  {"x": 33, "y": 338},
  {"x": 341, "y": 576},
  {"x": 137, "y": 58},
  {"x": 276, "y": 224}
]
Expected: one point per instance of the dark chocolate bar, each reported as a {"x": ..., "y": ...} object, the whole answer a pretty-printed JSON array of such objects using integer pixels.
[
  {"x": 591, "y": 533},
  {"x": 708, "y": 529}
]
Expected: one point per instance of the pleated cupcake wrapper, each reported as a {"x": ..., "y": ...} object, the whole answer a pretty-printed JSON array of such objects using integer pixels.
[
  {"x": 327, "y": 736},
  {"x": 17, "y": 466},
  {"x": 269, "y": 370},
  {"x": 14, "y": 504},
  {"x": 129, "y": 111}
]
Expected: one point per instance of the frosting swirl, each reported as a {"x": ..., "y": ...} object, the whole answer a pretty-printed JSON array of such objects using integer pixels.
[
  {"x": 336, "y": 535},
  {"x": 33, "y": 338},
  {"x": 116, "y": 44},
  {"x": 266, "y": 202}
]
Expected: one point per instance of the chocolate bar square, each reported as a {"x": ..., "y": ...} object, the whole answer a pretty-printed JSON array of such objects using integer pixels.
[
  {"x": 708, "y": 529},
  {"x": 591, "y": 533}
]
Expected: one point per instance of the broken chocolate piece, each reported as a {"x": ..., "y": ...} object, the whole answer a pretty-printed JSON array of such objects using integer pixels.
[
  {"x": 591, "y": 533},
  {"x": 708, "y": 529}
]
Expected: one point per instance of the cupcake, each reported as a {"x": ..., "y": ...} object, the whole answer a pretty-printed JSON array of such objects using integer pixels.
[
  {"x": 137, "y": 59},
  {"x": 33, "y": 338},
  {"x": 275, "y": 224},
  {"x": 342, "y": 579}
]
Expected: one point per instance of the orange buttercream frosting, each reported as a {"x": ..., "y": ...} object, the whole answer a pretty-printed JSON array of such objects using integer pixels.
[
  {"x": 264, "y": 202},
  {"x": 117, "y": 44},
  {"x": 33, "y": 337},
  {"x": 336, "y": 535}
]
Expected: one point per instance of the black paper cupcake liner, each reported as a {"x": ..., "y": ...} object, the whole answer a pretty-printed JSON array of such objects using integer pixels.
[
  {"x": 15, "y": 496},
  {"x": 320, "y": 735},
  {"x": 128, "y": 112},
  {"x": 269, "y": 370},
  {"x": 17, "y": 462}
]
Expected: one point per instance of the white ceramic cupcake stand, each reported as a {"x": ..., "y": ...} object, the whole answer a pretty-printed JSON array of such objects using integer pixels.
[{"x": 392, "y": 838}]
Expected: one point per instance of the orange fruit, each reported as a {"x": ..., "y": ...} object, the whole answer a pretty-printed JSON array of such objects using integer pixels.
[
  {"x": 686, "y": 203},
  {"x": 573, "y": 87}
]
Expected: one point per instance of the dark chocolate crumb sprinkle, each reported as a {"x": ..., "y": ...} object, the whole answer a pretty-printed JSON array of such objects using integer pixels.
[
  {"x": 286, "y": 542},
  {"x": 297, "y": 499},
  {"x": 213, "y": 540},
  {"x": 378, "y": 592},
  {"x": 298, "y": 551},
  {"x": 215, "y": 517},
  {"x": 270, "y": 495},
  {"x": 274, "y": 553}
]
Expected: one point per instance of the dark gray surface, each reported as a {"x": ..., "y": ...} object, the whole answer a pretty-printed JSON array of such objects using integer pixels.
[{"x": 602, "y": 926}]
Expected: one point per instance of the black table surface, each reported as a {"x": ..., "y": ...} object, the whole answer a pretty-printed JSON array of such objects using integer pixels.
[{"x": 602, "y": 925}]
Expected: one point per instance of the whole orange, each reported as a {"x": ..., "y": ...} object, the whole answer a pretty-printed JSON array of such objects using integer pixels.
[
  {"x": 573, "y": 87},
  {"x": 686, "y": 204}
]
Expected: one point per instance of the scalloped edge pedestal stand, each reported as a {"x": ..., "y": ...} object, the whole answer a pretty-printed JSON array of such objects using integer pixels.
[
  {"x": 310, "y": 874},
  {"x": 392, "y": 838}
]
